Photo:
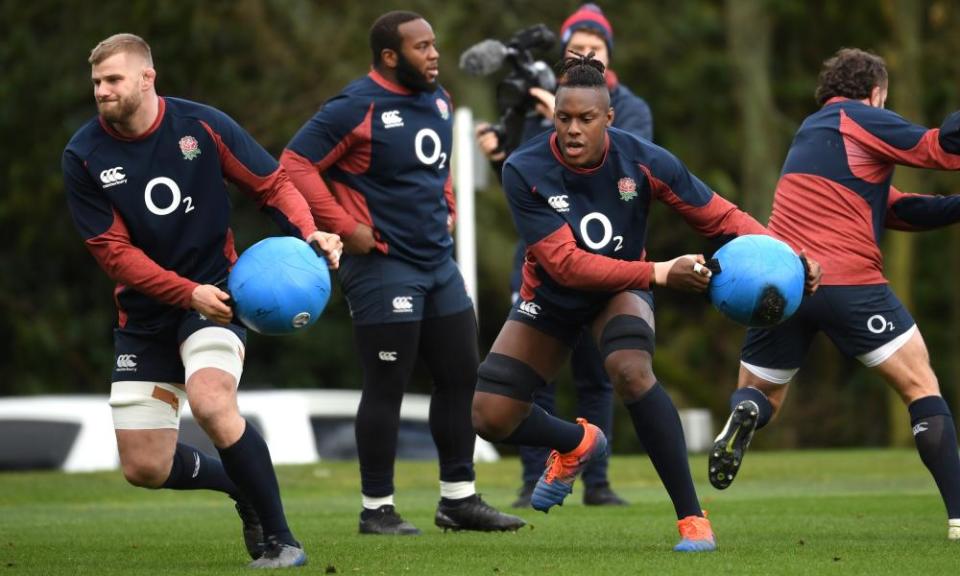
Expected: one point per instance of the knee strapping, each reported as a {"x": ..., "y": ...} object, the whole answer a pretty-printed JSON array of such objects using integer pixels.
[
  {"x": 146, "y": 405},
  {"x": 213, "y": 347},
  {"x": 625, "y": 332},
  {"x": 506, "y": 376}
]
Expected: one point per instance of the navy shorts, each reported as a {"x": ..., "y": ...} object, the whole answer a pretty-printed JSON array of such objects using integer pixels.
[
  {"x": 564, "y": 324},
  {"x": 153, "y": 354},
  {"x": 858, "y": 319},
  {"x": 383, "y": 290}
]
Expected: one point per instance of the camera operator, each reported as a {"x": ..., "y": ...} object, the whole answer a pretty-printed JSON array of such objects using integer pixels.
[{"x": 586, "y": 30}]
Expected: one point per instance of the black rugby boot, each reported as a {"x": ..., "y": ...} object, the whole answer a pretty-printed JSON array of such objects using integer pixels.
[
  {"x": 385, "y": 520},
  {"x": 731, "y": 445},
  {"x": 473, "y": 513}
]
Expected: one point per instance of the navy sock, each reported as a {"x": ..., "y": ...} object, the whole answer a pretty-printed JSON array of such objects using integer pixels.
[
  {"x": 249, "y": 466},
  {"x": 758, "y": 398},
  {"x": 194, "y": 470},
  {"x": 658, "y": 427},
  {"x": 936, "y": 438},
  {"x": 542, "y": 429},
  {"x": 594, "y": 401},
  {"x": 534, "y": 457}
]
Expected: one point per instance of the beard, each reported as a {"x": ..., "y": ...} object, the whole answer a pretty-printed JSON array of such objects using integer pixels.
[
  {"x": 411, "y": 78},
  {"x": 121, "y": 110}
]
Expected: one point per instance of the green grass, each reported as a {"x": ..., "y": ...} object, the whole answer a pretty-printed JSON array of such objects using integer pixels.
[{"x": 837, "y": 512}]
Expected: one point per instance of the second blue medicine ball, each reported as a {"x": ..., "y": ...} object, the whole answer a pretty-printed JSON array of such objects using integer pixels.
[
  {"x": 279, "y": 285},
  {"x": 760, "y": 282}
]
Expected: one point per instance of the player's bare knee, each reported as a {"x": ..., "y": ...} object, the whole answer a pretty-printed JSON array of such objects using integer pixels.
[
  {"x": 213, "y": 362},
  {"x": 627, "y": 345},
  {"x": 485, "y": 423},
  {"x": 493, "y": 417},
  {"x": 916, "y": 385},
  {"x": 771, "y": 382},
  {"x": 776, "y": 401},
  {"x": 144, "y": 472},
  {"x": 632, "y": 377},
  {"x": 219, "y": 419},
  {"x": 212, "y": 394}
]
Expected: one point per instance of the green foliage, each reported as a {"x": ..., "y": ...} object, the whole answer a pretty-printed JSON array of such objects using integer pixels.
[{"x": 272, "y": 63}]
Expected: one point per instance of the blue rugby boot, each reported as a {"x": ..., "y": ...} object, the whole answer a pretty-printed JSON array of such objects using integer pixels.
[
  {"x": 562, "y": 469},
  {"x": 696, "y": 535}
]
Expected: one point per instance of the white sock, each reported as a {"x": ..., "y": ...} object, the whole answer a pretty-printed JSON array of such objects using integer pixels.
[
  {"x": 371, "y": 503},
  {"x": 457, "y": 490}
]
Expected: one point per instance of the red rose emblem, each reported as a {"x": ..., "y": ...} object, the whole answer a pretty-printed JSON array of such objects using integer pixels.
[{"x": 189, "y": 147}]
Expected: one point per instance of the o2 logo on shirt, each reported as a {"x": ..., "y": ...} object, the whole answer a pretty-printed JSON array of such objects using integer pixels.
[
  {"x": 175, "y": 201},
  {"x": 607, "y": 232},
  {"x": 436, "y": 154}
]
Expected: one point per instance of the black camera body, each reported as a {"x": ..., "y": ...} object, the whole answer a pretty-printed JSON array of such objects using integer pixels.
[{"x": 513, "y": 91}]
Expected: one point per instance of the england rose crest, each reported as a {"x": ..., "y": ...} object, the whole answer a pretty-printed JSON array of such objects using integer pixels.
[
  {"x": 189, "y": 147},
  {"x": 443, "y": 108},
  {"x": 627, "y": 188}
]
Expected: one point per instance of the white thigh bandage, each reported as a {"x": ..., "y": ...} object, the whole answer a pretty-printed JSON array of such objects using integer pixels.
[
  {"x": 880, "y": 355},
  {"x": 146, "y": 405},
  {"x": 771, "y": 375},
  {"x": 212, "y": 347}
]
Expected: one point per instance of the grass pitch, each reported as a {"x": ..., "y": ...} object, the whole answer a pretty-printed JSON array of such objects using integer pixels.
[{"x": 837, "y": 512}]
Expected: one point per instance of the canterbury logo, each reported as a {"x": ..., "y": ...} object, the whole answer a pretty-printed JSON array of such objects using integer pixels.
[
  {"x": 113, "y": 176},
  {"x": 391, "y": 119},
  {"x": 529, "y": 308},
  {"x": 403, "y": 304},
  {"x": 388, "y": 356},
  {"x": 920, "y": 427},
  {"x": 559, "y": 203},
  {"x": 127, "y": 362}
]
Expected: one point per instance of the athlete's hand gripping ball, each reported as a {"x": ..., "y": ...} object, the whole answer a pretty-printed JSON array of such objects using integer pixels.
[
  {"x": 329, "y": 244},
  {"x": 687, "y": 273},
  {"x": 280, "y": 285},
  {"x": 212, "y": 303}
]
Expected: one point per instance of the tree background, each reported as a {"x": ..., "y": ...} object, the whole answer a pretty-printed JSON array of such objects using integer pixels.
[{"x": 728, "y": 82}]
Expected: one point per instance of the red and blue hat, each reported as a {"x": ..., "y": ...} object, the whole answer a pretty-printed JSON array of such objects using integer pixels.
[{"x": 587, "y": 17}]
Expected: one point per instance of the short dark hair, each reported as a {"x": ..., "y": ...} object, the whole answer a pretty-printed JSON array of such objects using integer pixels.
[
  {"x": 580, "y": 71},
  {"x": 385, "y": 32},
  {"x": 850, "y": 73}
]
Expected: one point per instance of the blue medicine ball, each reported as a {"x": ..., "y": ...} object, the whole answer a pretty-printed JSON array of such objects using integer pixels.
[
  {"x": 279, "y": 285},
  {"x": 760, "y": 282}
]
